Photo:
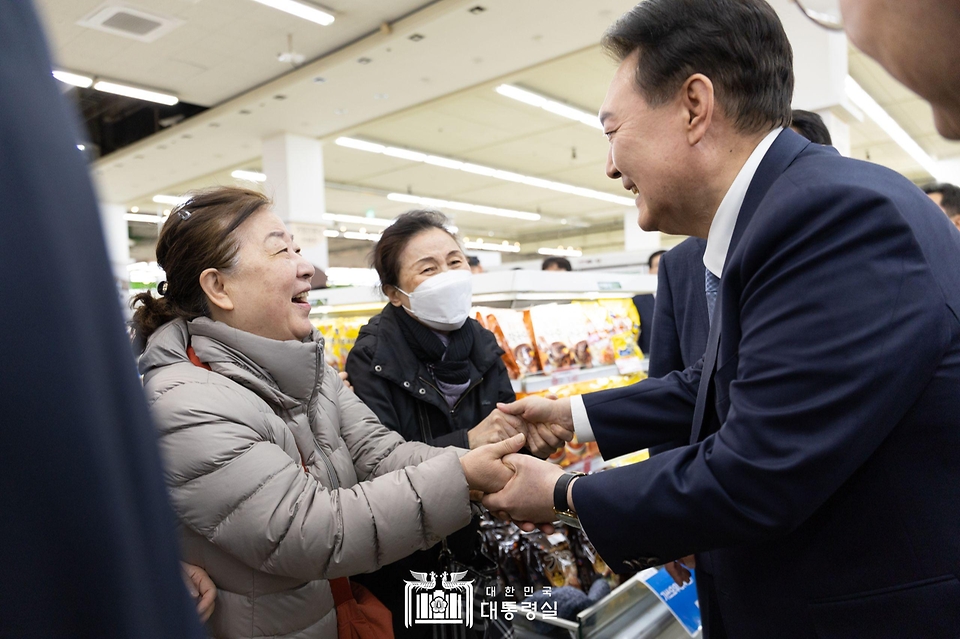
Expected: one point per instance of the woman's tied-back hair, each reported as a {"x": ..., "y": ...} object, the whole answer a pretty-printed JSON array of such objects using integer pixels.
[{"x": 199, "y": 234}]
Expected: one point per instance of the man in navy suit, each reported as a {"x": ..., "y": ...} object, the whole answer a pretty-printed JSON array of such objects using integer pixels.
[
  {"x": 646, "y": 305},
  {"x": 820, "y": 483},
  {"x": 87, "y": 539}
]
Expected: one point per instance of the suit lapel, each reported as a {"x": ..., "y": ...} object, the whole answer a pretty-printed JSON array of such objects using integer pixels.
[{"x": 784, "y": 150}]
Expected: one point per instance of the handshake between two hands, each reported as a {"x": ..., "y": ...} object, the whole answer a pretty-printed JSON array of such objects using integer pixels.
[{"x": 515, "y": 486}]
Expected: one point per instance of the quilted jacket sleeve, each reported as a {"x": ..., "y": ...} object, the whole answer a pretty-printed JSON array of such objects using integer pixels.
[{"x": 235, "y": 479}]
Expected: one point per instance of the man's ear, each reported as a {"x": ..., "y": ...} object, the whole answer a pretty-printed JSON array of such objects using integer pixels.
[
  {"x": 213, "y": 284},
  {"x": 697, "y": 101}
]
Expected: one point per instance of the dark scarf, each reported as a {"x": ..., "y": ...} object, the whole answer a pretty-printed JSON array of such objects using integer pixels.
[{"x": 429, "y": 349}]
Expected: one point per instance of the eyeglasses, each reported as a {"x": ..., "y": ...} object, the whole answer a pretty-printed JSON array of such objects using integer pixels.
[{"x": 826, "y": 13}]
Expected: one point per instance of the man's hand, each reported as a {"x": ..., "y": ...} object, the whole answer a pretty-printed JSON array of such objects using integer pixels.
[
  {"x": 496, "y": 427},
  {"x": 549, "y": 422},
  {"x": 528, "y": 496},
  {"x": 680, "y": 569},
  {"x": 201, "y": 588},
  {"x": 484, "y": 467}
]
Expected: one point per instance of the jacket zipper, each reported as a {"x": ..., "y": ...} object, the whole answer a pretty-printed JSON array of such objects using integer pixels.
[
  {"x": 316, "y": 388},
  {"x": 464, "y": 394}
]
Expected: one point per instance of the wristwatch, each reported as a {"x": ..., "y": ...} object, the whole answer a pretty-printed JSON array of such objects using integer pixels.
[{"x": 560, "y": 505}]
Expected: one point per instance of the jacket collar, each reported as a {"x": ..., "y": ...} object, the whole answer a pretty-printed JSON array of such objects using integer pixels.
[
  {"x": 782, "y": 153},
  {"x": 281, "y": 372},
  {"x": 395, "y": 361}
]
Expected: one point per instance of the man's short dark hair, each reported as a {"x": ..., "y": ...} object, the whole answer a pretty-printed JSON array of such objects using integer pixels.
[
  {"x": 560, "y": 262},
  {"x": 950, "y": 194},
  {"x": 473, "y": 260},
  {"x": 739, "y": 44},
  {"x": 654, "y": 256},
  {"x": 810, "y": 125}
]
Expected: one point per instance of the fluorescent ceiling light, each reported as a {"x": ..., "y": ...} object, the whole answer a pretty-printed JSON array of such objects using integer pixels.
[
  {"x": 362, "y": 235},
  {"x": 329, "y": 233},
  {"x": 865, "y": 102},
  {"x": 462, "y": 206},
  {"x": 134, "y": 92},
  {"x": 75, "y": 79},
  {"x": 173, "y": 200},
  {"x": 143, "y": 217},
  {"x": 301, "y": 10},
  {"x": 480, "y": 245},
  {"x": 249, "y": 176},
  {"x": 560, "y": 251},
  {"x": 357, "y": 219},
  {"x": 508, "y": 176},
  {"x": 545, "y": 103}
]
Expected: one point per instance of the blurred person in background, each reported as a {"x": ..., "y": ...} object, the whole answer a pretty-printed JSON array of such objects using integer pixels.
[
  {"x": 88, "y": 544},
  {"x": 475, "y": 266},
  {"x": 916, "y": 42},
  {"x": 283, "y": 481},
  {"x": 556, "y": 264},
  {"x": 810, "y": 125},
  {"x": 646, "y": 303},
  {"x": 428, "y": 370},
  {"x": 947, "y": 197}
]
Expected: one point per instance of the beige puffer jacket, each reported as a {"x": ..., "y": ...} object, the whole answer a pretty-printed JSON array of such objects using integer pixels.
[{"x": 235, "y": 442}]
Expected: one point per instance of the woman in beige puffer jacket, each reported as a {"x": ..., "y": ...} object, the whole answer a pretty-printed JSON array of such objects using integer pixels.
[{"x": 281, "y": 478}]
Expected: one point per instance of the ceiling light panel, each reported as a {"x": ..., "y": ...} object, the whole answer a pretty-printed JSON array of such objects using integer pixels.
[
  {"x": 463, "y": 206},
  {"x": 135, "y": 92},
  {"x": 486, "y": 171},
  {"x": 172, "y": 200},
  {"x": 560, "y": 251},
  {"x": 549, "y": 105},
  {"x": 249, "y": 176},
  {"x": 77, "y": 80},
  {"x": 357, "y": 219},
  {"x": 301, "y": 10}
]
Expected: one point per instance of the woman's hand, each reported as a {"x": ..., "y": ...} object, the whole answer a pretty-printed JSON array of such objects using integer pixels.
[
  {"x": 484, "y": 467},
  {"x": 201, "y": 588},
  {"x": 496, "y": 427},
  {"x": 343, "y": 378}
]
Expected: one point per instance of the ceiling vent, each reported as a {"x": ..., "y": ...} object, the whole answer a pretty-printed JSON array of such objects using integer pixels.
[{"x": 129, "y": 22}]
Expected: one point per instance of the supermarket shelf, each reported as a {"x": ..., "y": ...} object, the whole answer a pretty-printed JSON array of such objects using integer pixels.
[
  {"x": 536, "y": 383},
  {"x": 515, "y": 288}
]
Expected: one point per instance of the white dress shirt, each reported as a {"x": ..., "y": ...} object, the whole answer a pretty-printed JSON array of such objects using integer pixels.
[{"x": 714, "y": 257}]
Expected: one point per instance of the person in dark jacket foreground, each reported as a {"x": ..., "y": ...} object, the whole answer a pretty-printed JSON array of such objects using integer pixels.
[{"x": 429, "y": 371}]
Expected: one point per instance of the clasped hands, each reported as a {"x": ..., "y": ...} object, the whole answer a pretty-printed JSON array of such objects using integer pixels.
[{"x": 515, "y": 486}]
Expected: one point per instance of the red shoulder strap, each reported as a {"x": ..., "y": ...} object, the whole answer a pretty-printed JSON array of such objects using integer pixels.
[{"x": 192, "y": 354}]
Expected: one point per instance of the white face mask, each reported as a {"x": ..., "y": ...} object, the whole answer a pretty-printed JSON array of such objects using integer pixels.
[{"x": 442, "y": 301}]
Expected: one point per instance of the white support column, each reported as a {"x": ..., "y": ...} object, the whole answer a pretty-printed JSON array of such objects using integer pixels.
[
  {"x": 295, "y": 180},
  {"x": 820, "y": 70},
  {"x": 117, "y": 238}
]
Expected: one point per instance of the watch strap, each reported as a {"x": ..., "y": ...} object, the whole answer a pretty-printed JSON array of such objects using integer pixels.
[{"x": 560, "y": 503}]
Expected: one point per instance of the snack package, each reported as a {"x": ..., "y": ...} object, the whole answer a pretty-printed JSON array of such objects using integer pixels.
[
  {"x": 601, "y": 329},
  {"x": 339, "y": 336},
  {"x": 626, "y": 327},
  {"x": 562, "y": 336},
  {"x": 515, "y": 338}
]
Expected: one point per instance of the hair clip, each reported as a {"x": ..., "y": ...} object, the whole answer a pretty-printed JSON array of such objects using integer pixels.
[
  {"x": 162, "y": 287},
  {"x": 184, "y": 215}
]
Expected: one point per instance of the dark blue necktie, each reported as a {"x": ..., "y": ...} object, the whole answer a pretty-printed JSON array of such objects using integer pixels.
[{"x": 712, "y": 285}]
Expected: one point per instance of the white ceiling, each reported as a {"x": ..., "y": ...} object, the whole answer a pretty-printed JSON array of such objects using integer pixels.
[
  {"x": 223, "y": 47},
  {"x": 439, "y": 97}
]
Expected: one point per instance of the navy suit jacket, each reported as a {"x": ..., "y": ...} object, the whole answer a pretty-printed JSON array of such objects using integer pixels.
[
  {"x": 88, "y": 543},
  {"x": 680, "y": 318},
  {"x": 646, "y": 305},
  {"x": 821, "y": 492}
]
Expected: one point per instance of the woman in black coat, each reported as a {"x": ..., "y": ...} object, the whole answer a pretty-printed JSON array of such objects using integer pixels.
[{"x": 429, "y": 371}]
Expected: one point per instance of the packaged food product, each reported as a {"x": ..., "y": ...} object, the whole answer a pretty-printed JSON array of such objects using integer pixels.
[
  {"x": 515, "y": 338},
  {"x": 562, "y": 336},
  {"x": 601, "y": 330}
]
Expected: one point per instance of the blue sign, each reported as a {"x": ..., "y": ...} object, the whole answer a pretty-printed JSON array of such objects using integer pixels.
[{"x": 681, "y": 600}]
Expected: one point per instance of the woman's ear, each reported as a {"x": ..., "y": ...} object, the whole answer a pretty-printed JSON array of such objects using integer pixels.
[
  {"x": 213, "y": 285},
  {"x": 393, "y": 295}
]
